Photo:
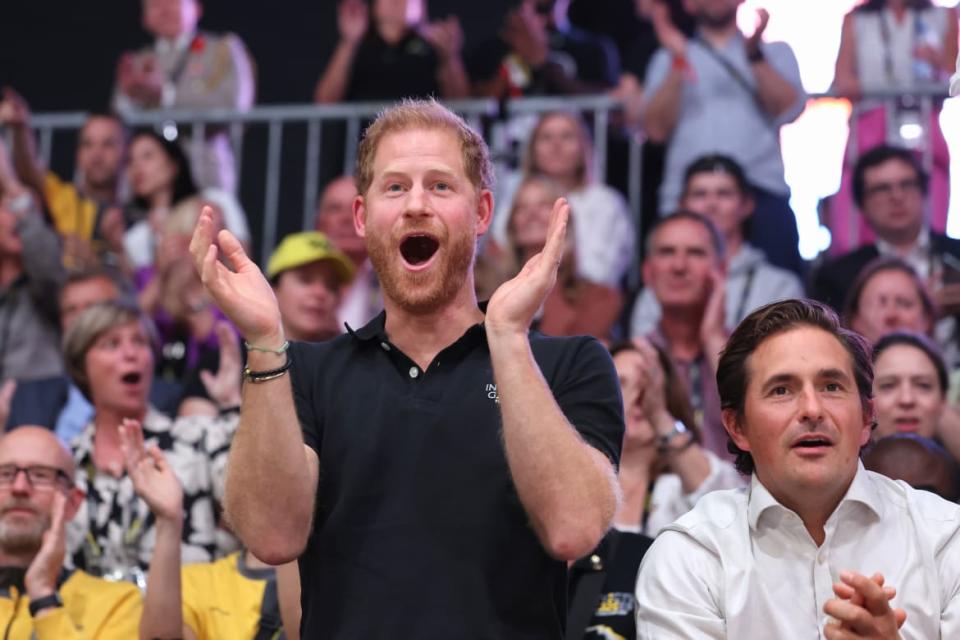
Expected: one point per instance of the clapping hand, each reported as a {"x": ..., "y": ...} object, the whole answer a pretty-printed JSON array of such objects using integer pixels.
[
  {"x": 862, "y": 609},
  {"x": 224, "y": 386},
  {"x": 670, "y": 37},
  {"x": 152, "y": 477},
  {"x": 41, "y": 577},
  {"x": 515, "y": 302},
  {"x": 243, "y": 294}
]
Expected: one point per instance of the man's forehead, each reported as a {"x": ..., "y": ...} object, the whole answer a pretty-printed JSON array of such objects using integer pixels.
[
  {"x": 893, "y": 166},
  {"x": 799, "y": 351},
  {"x": 682, "y": 233},
  {"x": 418, "y": 149}
]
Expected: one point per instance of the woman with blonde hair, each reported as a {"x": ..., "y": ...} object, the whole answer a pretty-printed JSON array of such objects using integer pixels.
[
  {"x": 576, "y": 306},
  {"x": 561, "y": 150}
]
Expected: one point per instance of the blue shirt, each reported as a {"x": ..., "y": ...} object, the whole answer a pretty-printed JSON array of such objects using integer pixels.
[{"x": 718, "y": 115}]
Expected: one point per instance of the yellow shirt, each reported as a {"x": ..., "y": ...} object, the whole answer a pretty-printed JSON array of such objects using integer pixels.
[
  {"x": 72, "y": 213},
  {"x": 92, "y": 608},
  {"x": 224, "y": 599}
]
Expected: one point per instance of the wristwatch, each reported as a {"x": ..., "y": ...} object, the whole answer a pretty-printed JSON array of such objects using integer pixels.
[
  {"x": 46, "y": 602},
  {"x": 679, "y": 429}
]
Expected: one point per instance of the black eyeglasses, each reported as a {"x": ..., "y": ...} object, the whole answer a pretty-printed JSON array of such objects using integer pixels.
[
  {"x": 886, "y": 189},
  {"x": 39, "y": 476}
]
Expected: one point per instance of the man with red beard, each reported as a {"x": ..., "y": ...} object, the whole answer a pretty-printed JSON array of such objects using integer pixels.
[
  {"x": 37, "y": 497},
  {"x": 432, "y": 470}
]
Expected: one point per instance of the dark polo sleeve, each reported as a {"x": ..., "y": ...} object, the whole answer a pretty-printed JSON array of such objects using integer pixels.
[
  {"x": 305, "y": 380},
  {"x": 588, "y": 392}
]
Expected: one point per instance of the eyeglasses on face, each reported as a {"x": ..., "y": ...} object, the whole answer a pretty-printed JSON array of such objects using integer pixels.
[
  {"x": 39, "y": 476},
  {"x": 886, "y": 189}
]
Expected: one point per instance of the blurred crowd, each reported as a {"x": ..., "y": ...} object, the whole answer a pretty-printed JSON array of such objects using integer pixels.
[{"x": 103, "y": 318}]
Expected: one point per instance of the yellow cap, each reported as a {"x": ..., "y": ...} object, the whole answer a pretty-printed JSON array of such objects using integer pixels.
[{"x": 298, "y": 249}]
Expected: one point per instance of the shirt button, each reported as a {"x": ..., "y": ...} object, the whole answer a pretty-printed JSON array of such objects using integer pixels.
[
  {"x": 385, "y": 346},
  {"x": 414, "y": 372}
]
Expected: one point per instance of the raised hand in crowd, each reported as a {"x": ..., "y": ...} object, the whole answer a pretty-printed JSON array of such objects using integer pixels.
[
  {"x": 242, "y": 293},
  {"x": 713, "y": 333},
  {"x": 140, "y": 78},
  {"x": 353, "y": 19},
  {"x": 526, "y": 35},
  {"x": 670, "y": 37},
  {"x": 154, "y": 481},
  {"x": 14, "y": 110},
  {"x": 445, "y": 35},
  {"x": 753, "y": 42},
  {"x": 153, "y": 478},
  {"x": 862, "y": 609},
  {"x": 513, "y": 305},
  {"x": 224, "y": 385},
  {"x": 7, "y": 389}
]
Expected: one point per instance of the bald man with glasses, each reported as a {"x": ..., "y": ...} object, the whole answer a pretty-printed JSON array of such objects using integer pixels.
[{"x": 39, "y": 598}]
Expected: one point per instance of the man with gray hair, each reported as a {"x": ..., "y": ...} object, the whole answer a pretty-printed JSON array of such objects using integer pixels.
[{"x": 684, "y": 268}]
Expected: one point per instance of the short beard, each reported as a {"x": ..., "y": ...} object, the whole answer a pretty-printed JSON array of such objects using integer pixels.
[
  {"x": 715, "y": 22},
  {"x": 423, "y": 292},
  {"x": 22, "y": 539}
]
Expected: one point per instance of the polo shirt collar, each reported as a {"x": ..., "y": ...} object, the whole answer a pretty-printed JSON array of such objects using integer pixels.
[
  {"x": 861, "y": 490},
  {"x": 376, "y": 328}
]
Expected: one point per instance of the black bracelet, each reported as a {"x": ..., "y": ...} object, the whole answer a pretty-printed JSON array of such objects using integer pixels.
[
  {"x": 271, "y": 374},
  {"x": 46, "y": 602}
]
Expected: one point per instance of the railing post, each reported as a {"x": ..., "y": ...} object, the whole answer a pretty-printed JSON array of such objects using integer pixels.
[
  {"x": 601, "y": 120},
  {"x": 272, "y": 198},
  {"x": 312, "y": 168},
  {"x": 635, "y": 195},
  {"x": 350, "y": 145}
]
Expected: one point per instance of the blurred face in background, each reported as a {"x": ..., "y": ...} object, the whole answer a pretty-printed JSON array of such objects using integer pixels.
[
  {"x": 79, "y": 295},
  {"x": 907, "y": 393},
  {"x": 530, "y": 217},
  {"x": 119, "y": 366},
  {"x": 680, "y": 264},
  {"x": 893, "y": 201},
  {"x": 100, "y": 151},
  {"x": 170, "y": 18},
  {"x": 335, "y": 218},
  {"x": 309, "y": 297},
  {"x": 713, "y": 13},
  {"x": 890, "y": 301},
  {"x": 151, "y": 170},
  {"x": 717, "y": 196},
  {"x": 557, "y": 147}
]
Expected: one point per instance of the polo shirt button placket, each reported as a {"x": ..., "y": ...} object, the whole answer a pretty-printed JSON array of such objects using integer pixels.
[{"x": 414, "y": 372}]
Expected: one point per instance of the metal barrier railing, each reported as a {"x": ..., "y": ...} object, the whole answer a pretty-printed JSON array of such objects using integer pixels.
[{"x": 481, "y": 114}]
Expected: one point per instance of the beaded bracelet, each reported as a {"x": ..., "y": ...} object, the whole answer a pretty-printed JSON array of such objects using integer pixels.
[
  {"x": 283, "y": 348},
  {"x": 270, "y": 374}
]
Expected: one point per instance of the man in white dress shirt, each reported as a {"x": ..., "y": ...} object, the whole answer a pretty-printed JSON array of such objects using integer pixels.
[{"x": 816, "y": 546}]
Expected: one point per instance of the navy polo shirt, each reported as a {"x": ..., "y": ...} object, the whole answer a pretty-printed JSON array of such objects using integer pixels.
[{"x": 418, "y": 531}]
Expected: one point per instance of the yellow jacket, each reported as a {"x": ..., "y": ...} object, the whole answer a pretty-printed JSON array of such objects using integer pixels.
[{"x": 92, "y": 608}]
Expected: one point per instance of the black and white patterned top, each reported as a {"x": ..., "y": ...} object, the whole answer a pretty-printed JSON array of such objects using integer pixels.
[{"x": 113, "y": 533}]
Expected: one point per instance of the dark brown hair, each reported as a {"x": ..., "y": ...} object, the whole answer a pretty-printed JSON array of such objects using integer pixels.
[
  {"x": 768, "y": 321},
  {"x": 851, "y": 305},
  {"x": 677, "y": 395}
]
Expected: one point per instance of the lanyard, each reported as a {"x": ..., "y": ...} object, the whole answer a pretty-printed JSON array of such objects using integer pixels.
[
  {"x": 747, "y": 286},
  {"x": 885, "y": 36},
  {"x": 131, "y": 532}
]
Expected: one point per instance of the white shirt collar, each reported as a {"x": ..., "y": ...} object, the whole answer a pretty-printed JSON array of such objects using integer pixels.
[
  {"x": 861, "y": 490},
  {"x": 918, "y": 257}
]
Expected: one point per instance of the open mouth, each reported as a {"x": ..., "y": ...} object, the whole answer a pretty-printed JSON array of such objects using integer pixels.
[
  {"x": 907, "y": 424},
  {"x": 132, "y": 378},
  {"x": 417, "y": 249},
  {"x": 812, "y": 443}
]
